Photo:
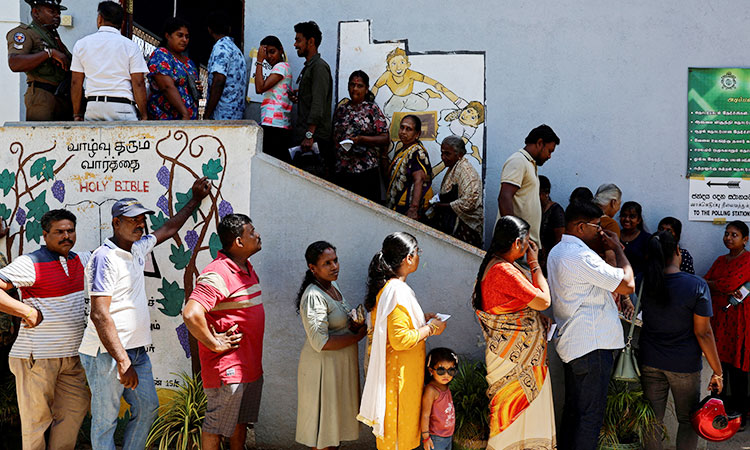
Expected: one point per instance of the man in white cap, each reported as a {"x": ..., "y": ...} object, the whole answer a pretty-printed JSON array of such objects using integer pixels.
[{"x": 113, "y": 350}]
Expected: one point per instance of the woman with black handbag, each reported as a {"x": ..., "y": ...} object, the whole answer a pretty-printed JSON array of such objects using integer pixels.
[{"x": 676, "y": 330}]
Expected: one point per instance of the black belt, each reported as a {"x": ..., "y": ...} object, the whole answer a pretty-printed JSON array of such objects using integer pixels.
[
  {"x": 46, "y": 86},
  {"x": 105, "y": 99}
]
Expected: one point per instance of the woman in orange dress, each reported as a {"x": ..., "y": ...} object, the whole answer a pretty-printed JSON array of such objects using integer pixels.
[
  {"x": 732, "y": 326},
  {"x": 508, "y": 303}
]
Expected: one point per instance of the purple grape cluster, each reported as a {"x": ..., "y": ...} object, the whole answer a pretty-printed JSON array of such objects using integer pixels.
[
  {"x": 21, "y": 216},
  {"x": 182, "y": 336},
  {"x": 163, "y": 204},
  {"x": 58, "y": 190},
  {"x": 225, "y": 208},
  {"x": 163, "y": 176},
  {"x": 191, "y": 238}
]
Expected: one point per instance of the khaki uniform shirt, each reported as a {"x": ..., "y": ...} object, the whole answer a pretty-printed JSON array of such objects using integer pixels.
[{"x": 34, "y": 38}]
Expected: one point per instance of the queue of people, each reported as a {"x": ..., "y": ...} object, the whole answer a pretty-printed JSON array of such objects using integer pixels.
[{"x": 576, "y": 260}]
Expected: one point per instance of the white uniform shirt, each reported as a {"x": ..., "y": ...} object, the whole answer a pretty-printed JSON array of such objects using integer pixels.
[
  {"x": 107, "y": 59},
  {"x": 581, "y": 284},
  {"x": 117, "y": 273}
]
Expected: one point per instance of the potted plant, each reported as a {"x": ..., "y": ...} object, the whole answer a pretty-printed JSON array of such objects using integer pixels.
[
  {"x": 469, "y": 391},
  {"x": 179, "y": 423},
  {"x": 628, "y": 418}
]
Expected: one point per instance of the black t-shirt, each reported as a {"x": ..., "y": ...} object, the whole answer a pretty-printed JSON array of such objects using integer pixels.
[
  {"x": 553, "y": 218},
  {"x": 667, "y": 339},
  {"x": 635, "y": 251}
]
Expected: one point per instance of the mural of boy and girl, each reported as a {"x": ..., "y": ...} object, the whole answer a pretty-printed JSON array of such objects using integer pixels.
[{"x": 400, "y": 79}]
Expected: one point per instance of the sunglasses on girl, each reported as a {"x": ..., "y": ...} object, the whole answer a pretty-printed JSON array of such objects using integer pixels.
[{"x": 442, "y": 371}]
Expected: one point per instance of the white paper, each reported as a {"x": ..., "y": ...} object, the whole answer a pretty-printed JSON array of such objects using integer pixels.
[
  {"x": 346, "y": 144},
  {"x": 298, "y": 149},
  {"x": 443, "y": 317}
]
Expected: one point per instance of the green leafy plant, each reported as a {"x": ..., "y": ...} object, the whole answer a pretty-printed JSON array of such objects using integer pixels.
[
  {"x": 628, "y": 417},
  {"x": 8, "y": 403},
  {"x": 180, "y": 419},
  {"x": 469, "y": 391}
]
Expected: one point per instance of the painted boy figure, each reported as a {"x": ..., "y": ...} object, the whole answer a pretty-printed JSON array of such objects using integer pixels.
[{"x": 227, "y": 298}]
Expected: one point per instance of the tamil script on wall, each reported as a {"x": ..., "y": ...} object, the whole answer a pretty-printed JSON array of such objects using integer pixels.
[{"x": 86, "y": 168}]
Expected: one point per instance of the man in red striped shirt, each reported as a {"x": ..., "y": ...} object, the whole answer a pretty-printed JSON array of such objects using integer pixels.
[
  {"x": 50, "y": 381},
  {"x": 225, "y": 314}
]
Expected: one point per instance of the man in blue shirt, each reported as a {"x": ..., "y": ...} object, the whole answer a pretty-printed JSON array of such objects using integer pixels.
[{"x": 227, "y": 73}]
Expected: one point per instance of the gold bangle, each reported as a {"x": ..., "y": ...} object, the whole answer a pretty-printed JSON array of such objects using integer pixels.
[{"x": 31, "y": 311}]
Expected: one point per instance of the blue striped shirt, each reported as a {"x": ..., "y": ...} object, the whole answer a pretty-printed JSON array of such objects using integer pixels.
[{"x": 581, "y": 284}]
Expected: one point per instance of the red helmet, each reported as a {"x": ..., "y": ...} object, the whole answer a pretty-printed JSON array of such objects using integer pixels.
[{"x": 711, "y": 422}]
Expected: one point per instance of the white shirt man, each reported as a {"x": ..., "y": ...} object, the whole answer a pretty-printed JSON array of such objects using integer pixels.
[
  {"x": 581, "y": 286},
  {"x": 114, "y": 69}
]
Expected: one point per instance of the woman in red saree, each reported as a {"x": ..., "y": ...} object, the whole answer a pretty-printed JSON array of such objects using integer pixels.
[
  {"x": 508, "y": 301},
  {"x": 732, "y": 327}
]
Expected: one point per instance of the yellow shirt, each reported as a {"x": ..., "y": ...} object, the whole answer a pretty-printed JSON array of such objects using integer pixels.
[
  {"x": 403, "y": 88},
  {"x": 404, "y": 374}
]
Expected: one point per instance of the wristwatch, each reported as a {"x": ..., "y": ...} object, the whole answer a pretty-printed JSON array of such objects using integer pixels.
[{"x": 308, "y": 134}]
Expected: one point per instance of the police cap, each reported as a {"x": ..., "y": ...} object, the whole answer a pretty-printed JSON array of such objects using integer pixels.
[{"x": 50, "y": 3}]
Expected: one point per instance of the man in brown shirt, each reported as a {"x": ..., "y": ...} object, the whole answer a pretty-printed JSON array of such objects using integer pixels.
[{"x": 38, "y": 50}]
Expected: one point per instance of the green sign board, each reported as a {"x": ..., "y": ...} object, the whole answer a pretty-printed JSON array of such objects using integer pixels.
[{"x": 719, "y": 122}]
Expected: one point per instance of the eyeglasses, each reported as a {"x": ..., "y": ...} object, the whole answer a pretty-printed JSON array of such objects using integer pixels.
[
  {"x": 595, "y": 225},
  {"x": 442, "y": 371}
]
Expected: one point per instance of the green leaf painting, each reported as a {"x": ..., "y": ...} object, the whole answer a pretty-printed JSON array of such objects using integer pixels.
[
  {"x": 174, "y": 296},
  {"x": 7, "y": 180},
  {"x": 180, "y": 257},
  {"x": 212, "y": 168},
  {"x": 157, "y": 221},
  {"x": 43, "y": 168},
  {"x": 33, "y": 231},
  {"x": 38, "y": 206},
  {"x": 182, "y": 200},
  {"x": 4, "y": 212},
  {"x": 214, "y": 245}
]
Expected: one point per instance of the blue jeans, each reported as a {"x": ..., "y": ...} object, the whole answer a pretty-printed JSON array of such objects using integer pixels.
[
  {"x": 106, "y": 390},
  {"x": 441, "y": 443},
  {"x": 586, "y": 381}
]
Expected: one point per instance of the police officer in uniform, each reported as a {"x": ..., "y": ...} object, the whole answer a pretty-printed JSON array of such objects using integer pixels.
[{"x": 38, "y": 50}]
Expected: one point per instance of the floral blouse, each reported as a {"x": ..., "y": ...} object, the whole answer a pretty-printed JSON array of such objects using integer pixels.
[
  {"x": 162, "y": 62},
  {"x": 362, "y": 119}
]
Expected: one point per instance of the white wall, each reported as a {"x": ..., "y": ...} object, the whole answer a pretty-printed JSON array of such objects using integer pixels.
[
  {"x": 290, "y": 213},
  {"x": 10, "y": 15},
  {"x": 610, "y": 78}
]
